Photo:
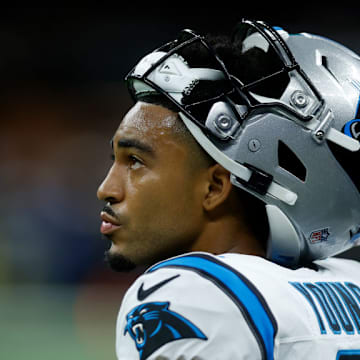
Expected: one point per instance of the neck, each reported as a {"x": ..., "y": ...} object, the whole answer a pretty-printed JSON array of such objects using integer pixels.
[{"x": 228, "y": 234}]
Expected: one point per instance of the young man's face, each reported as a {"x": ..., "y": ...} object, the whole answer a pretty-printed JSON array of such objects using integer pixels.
[{"x": 153, "y": 191}]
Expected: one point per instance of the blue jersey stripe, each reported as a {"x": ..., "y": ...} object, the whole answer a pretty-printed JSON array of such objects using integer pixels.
[{"x": 239, "y": 289}]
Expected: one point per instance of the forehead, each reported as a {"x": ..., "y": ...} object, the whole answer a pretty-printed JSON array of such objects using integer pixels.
[{"x": 148, "y": 121}]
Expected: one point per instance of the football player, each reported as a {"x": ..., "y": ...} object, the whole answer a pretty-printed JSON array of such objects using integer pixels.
[{"x": 235, "y": 179}]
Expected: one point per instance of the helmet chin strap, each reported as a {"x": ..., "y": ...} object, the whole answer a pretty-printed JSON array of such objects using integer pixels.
[{"x": 238, "y": 170}]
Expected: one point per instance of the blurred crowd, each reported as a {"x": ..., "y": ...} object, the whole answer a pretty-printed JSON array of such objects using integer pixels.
[{"x": 61, "y": 99}]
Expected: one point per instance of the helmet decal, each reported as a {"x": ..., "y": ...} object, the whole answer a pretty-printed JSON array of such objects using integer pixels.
[{"x": 319, "y": 235}]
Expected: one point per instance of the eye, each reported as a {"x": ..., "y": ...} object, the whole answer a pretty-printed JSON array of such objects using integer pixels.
[
  {"x": 134, "y": 162},
  {"x": 143, "y": 311}
]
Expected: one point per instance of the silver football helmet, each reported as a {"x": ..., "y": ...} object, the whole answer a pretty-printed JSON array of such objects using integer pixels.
[{"x": 283, "y": 126}]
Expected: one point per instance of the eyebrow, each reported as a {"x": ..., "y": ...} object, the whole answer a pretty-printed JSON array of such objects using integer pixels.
[{"x": 133, "y": 143}]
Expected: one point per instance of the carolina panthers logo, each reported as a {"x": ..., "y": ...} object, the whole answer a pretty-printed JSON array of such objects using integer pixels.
[
  {"x": 152, "y": 325},
  {"x": 352, "y": 129}
]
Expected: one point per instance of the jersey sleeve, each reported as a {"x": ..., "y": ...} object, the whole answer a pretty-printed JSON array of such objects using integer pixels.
[{"x": 193, "y": 307}]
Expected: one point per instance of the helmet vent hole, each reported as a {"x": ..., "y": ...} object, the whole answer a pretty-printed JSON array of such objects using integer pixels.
[
  {"x": 290, "y": 162},
  {"x": 348, "y": 160},
  {"x": 325, "y": 64}
]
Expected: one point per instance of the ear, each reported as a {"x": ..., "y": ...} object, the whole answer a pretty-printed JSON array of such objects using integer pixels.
[{"x": 218, "y": 187}]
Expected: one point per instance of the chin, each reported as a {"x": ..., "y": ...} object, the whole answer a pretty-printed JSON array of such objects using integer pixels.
[{"x": 119, "y": 262}]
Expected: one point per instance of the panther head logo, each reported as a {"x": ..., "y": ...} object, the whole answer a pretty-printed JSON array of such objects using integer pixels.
[{"x": 152, "y": 325}]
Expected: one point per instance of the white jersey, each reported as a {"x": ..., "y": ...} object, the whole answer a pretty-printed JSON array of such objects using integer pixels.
[{"x": 227, "y": 307}]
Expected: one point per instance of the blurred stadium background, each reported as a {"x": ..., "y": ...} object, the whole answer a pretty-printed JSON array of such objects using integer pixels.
[{"x": 61, "y": 98}]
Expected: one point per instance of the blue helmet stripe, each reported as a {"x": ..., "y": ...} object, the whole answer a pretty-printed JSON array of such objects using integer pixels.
[
  {"x": 239, "y": 289},
  {"x": 348, "y": 354}
]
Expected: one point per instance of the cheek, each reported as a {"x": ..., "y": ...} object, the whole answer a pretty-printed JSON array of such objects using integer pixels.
[{"x": 163, "y": 199}]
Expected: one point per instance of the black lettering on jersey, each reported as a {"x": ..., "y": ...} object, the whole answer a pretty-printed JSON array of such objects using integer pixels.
[
  {"x": 351, "y": 304},
  {"x": 338, "y": 307},
  {"x": 299, "y": 287},
  {"x": 322, "y": 299},
  {"x": 354, "y": 289},
  {"x": 337, "y": 303}
]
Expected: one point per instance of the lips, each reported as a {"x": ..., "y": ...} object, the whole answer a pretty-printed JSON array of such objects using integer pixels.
[{"x": 108, "y": 224}]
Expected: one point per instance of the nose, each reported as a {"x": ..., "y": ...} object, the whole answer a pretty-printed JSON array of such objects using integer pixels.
[{"x": 111, "y": 189}]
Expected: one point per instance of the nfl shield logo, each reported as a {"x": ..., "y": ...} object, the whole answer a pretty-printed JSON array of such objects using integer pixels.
[{"x": 319, "y": 236}]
